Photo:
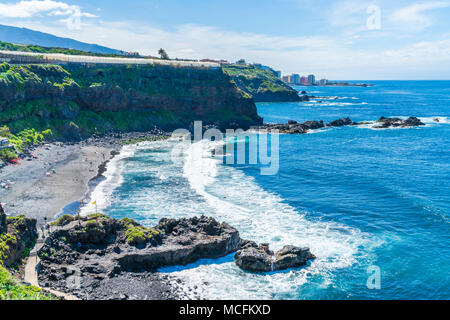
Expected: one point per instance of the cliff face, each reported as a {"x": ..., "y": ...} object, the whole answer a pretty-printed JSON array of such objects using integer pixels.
[
  {"x": 277, "y": 96},
  {"x": 120, "y": 98},
  {"x": 263, "y": 85},
  {"x": 20, "y": 232},
  {"x": 3, "y": 226}
]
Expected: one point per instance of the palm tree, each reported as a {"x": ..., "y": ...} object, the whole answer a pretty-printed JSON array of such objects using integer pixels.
[{"x": 163, "y": 54}]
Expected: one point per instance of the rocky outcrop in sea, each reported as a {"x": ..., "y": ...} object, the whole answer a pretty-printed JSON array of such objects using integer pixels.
[
  {"x": 95, "y": 250},
  {"x": 252, "y": 257},
  {"x": 97, "y": 257},
  {"x": 294, "y": 127},
  {"x": 397, "y": 122}
]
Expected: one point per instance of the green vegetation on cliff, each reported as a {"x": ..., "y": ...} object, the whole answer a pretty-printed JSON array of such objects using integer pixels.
[
  {"x": 12, "y": 289},
  {"x": 38, "y": 49},
  {"x": 262, "y": 84},
  {"x": 17, "y": 236},
  {"x": 136, "y": 234},
  {"x": 44, "y": 102}
]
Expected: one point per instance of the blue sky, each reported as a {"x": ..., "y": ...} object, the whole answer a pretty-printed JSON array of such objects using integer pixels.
[{"x": 341, "y": 39}]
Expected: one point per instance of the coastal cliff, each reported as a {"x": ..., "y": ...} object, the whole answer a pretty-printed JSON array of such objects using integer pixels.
[
  {"x": 17, "y": 236},
  {"x": 263, "y": 85},
  {"x": 75, "y": 101}
]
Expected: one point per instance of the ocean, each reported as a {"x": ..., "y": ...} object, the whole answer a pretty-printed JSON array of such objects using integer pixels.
[{"x": 358, "y": 197}]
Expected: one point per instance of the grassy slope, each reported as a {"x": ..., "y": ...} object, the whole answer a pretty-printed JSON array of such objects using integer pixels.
[{"x": 257, "y": 81}]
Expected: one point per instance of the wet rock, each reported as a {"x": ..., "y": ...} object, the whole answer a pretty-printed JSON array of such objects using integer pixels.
[
  {"x": 292, "y": 126},
  {"x": 314, "y": 124},
  {"x": 384, "y": 123},
  {"x": 292, "y": 257},
  {"x": 413, "y": 122},
  {"x": 340, "y": 122},
  {"x": 260, "y": 259}
]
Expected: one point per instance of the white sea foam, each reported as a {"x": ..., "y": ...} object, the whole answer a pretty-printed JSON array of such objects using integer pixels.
[
  {"x": 316, "y": 103},
  {"x": 263, "y": 217},
  {"x": 435, "y": 120},
  {"x": 321, "y": 130},
  {"x": 198, "y": 183},
  {"x": 113, "y": 178}
]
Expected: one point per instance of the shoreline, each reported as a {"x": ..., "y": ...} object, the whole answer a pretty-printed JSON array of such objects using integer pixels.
[
  {"x": 56, "y": 175},
  {"x": 59, "y": 175},
  {"x": 76, "y": 169},
  {"x": 72, "y": 207}
]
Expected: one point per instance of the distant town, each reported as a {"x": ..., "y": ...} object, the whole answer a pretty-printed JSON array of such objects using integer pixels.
[
  {"x": 293, "y": 79},
  {"x": 310, "y": 80}
]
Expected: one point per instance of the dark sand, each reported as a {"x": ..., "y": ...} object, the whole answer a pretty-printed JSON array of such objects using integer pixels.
[{"x": 41, "y": 187}]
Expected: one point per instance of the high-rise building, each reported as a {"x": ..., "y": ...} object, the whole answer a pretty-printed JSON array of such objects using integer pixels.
[
  {"x": 303, "y": 80},
  {"x": 312, "y": 79},
  {"x": 285, "y": 79},
  {"x": 295, "y": 78}
]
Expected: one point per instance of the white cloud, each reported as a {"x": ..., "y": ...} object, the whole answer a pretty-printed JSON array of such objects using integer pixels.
[
  {"x": 424, "y": 51},
  {"x": 349, "y": 13},
  {"x": 415, "y": 16},
  {"x": 28, "y": 9},
  {"x": 324, "y": 56}
]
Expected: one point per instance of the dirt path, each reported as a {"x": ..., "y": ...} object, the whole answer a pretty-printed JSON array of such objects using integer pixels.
[{"x": 31, "y": 274}]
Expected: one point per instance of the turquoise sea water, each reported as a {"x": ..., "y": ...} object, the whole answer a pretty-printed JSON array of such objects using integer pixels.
[{"x": 358, "y": 197}]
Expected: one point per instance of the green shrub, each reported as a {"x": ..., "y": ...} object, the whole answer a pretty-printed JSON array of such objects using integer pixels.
[
  {"x": 97, "y": 215},
  {"x": 7, "y": 155},
  {"x": 93, "y": 224},
  {"x": 6, "y": 241},
  {"x": 135, "y": 235},
  {"x": 12, "y": 289},
  {"x": 128, "y": 222},
  {"x": 47, "y": 134},
  {"x": 63, "y": 220}
]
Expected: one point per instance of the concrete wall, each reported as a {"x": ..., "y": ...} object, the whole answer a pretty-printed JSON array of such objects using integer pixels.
[{"x": 57, "y": 58}]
